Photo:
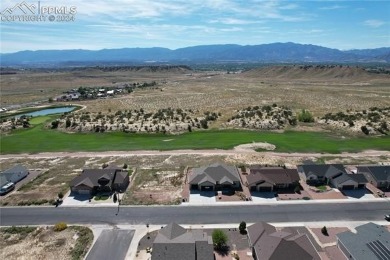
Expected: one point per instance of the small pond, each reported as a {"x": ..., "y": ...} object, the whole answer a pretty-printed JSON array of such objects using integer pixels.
[{"x": 49, "y": 111}]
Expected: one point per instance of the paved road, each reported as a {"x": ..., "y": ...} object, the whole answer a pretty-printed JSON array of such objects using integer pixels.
[
  {"x": 356, "y": 211},
  {"x": 111, "y": 244}
]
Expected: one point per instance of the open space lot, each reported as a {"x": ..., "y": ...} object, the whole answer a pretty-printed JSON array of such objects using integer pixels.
[
  {"x": 321, "y": 91},
  {"x": 45, "y": 243}
]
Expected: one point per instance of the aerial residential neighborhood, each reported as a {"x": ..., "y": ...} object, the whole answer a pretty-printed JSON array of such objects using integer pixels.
[{"x": 195, "y": 130}]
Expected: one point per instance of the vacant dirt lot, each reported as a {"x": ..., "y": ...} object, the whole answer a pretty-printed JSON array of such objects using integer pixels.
[{"x": 44, "y": 243}]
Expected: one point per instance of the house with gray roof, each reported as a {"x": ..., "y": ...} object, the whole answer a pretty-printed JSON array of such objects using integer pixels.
[
  {"x": 370, "y": 242},
  {"x": 14, "y": 175},
  {"x": 330, "y": 174},
  {"x": 91, "y": 181},
  {"x": 216, "y": 176},
  {"x": 270, "y": 179},
  {"x": 268, "y": 243},
  {"x": 174, "y": 242},
  {"x": 377, "y": 175}
]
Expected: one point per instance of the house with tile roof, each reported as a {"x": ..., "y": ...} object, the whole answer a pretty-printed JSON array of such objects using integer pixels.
[
  {"x": 174, "y": 242},
  {"x": 216, "y": 176},
  {"x": 268, "y": 243}
]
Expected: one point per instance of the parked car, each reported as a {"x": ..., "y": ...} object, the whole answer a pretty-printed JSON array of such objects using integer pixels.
[
  {"x": 7, "y": 188},
  {"x": 387, "y": 217}
]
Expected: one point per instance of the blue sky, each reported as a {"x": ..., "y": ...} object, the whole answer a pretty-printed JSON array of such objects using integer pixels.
[{"x": 174, "y": 24}]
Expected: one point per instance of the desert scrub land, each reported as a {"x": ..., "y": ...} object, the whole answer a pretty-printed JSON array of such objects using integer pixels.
[
  {"x": 373, "y": 121},
  {"x": 54, "y": 178},
  {"x": 155, "y": 186},
  {"x": 136, "y": 121},
  {"x": 265, "y": 117},
  {"x": 45, "y": 242}
]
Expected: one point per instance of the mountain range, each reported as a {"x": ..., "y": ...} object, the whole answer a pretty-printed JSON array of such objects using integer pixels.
[{"x": 265, "y": 53}]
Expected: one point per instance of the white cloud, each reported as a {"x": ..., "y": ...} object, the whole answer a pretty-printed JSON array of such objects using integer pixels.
[
  {"x": 333, "y": 7},
  {"x": 374, "y": 23}
]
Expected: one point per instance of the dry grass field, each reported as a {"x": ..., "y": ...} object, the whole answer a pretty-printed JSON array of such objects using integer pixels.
[{"x": 318, "y": 89}]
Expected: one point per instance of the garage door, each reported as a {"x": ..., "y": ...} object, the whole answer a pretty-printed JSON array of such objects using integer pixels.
[
  {"x": 348, "y": 187},
  {"x": 207, "y": 188},
  {"x": 265, "y": 189}
]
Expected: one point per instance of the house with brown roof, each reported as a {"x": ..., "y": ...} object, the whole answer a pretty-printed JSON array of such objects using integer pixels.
[
  {"x": 377, "y": 175},
  {"x": 91, "y": 181},
  {"x": 270, "y": 179},
  {"x": 268, "y": 243},
  {"x": 216, "y": 176},
  {"x": 174, "y": 242}
]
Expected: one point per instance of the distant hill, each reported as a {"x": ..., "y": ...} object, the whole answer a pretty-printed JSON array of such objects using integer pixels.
[
  {"x": 267, "y": 53},
  {"x": 314, "y": 72}
]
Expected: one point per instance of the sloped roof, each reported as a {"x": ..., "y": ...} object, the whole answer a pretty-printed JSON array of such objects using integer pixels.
[
  {"x": 378, "y": 172},
  {"x": 279, "y": 245},
  {"x": 173, "y": 242},
  {"x": 359, "y": 244},
  {"x": 359, "y": 178},
  {"x": 272, "y": 175},
  {"x": 172, "y": 231},
  {"x": 16, "y": 169},
  {"x": 342, "y": 178},
  {"x": 214, "y": 173},
  {"x": 120, "y": 176},
  {"x": 323, "y": 170},
  {"x": 7, "y": 175},
  {"x": 92, "y": 176}
]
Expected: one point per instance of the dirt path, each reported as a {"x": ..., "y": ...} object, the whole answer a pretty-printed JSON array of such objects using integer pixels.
[{"x": 368, "y": 153}]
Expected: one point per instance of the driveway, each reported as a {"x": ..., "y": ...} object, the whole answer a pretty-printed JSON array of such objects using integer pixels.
[
  {"x": 76, "y": 200},
  {"x": 111, "y": 244},
  {"x": 202, "y": 197},
  {"x": 360, "y": 194},
  {"x": 263, "y": 196}
]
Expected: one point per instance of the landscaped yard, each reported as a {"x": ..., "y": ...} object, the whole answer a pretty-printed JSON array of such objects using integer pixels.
[{"x": 39, "y": 139}]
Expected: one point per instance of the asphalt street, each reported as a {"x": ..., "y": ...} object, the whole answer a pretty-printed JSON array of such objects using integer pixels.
[
  {"x": 372, "y": 211},
  {"x": 111, "y": 244}
]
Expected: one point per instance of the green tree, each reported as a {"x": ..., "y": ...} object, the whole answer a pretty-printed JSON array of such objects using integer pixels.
[
  {"x": 60, "y": 195},
  {"x": 220, "y": 239},
  {"x": 242, "y": 227},
  {"x": 115, "y": 198},
  {"x": 125, "y": 166}
]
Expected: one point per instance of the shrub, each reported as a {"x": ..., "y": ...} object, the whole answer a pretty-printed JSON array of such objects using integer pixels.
[
  {"x": 305, "y": 116},
  {"x": 219, "y": 239},
  {"x": 60, "y": 226},
  {"x": 365, "y": 130},
  {"x": 242, "y": 227},
  {"x": 324, "y": 231},
  {"x": 60, "y": 195}
]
